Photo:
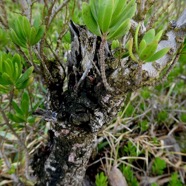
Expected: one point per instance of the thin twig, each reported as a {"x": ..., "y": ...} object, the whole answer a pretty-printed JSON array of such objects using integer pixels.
[
  {"x": 57, "y": 11},
  {"x": 24, "y": 7},
  {"x": 40, "y": 54},
  {"x": 21, "y": 143},
  {"x": 49, "y": 14},
  {"x": 57, "y": 58},
  {"x": 48, "y": 74},
  {"x": 27, "y": 59},
  {"x": 62, "y": 33},
  {"x": 24, "y": 55},
  {"x": 53, "y": 52}
]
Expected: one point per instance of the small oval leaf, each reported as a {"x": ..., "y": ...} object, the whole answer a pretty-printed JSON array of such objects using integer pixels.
[{"x": 158, "y": 55}]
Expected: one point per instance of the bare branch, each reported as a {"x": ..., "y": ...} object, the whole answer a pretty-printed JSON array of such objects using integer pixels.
[
  {"x": 44, "y": 66},
  {"x": 60, "y": 7}
]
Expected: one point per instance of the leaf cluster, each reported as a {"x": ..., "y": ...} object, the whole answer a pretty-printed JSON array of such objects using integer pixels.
[
  {"x": 146, "y": 50},
  {"x": 22, "y": 111},
  {"x": 11, "y": 72},
  {"x": 23, "y": 34},
  {"x": 109, "y": 17}
]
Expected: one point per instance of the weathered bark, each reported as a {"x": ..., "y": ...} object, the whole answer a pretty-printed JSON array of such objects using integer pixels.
[
  {"x": 64, "y": 161},
  {"x": 80, "y": 105}
]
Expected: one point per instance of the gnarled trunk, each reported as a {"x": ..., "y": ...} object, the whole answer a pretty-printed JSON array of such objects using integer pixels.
[{"x": 80, "y": 105}]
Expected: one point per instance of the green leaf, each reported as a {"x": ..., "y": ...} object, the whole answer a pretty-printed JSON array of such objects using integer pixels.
[
  {"x": 120, "y": 31},
  {"x": 37, "y": 21},
  {"x": 115, "y": 44},
  {"x": 8, "y": 67},
  {"x": 3, "y": 88},
  {"x": 20, "y": 21},
  {"x": 94, "y": 9},
  {"x": 16, "y": 108},
  {"x": 136, "y": 37},
  {"x": 119, "y": 7},
  {"x": 16, "y": 40},
  {"x": 22, "y": 34},
  {"x": 105, "y": 11},
  {"x": 32, "y": 36},
  {"x": 89, "y": 20},
  {"x": 16, "y": 118},
  {"x": 3, "y": 38},
  {"x": 24, "y": 84},
  {"x": 25, "y": 76},
  {"x": 67, "y": 38},
  {"x": 17, "y": 66},
  {"x": 25, "y": 101},
  {"x": 18, "y": 28},
  {"x": 127, "y": 13},
  {"x": 149, "y": 36},
  {"x": 31, "y": 119},
  {"x": 7, "y": 80},
  {"x": 142, "y": 46},
  {"x": 158, "y": 55},
  {"x": 158, "y": 35},
  {"x": 148, "y": 51},
  {"x": 39, "y": 35},
  {"x": 130, "y": 46},
  {"x": 26, "y": 26}
]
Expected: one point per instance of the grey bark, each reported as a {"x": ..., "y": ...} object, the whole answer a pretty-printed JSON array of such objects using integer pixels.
[{"x": 80, "y": 105}]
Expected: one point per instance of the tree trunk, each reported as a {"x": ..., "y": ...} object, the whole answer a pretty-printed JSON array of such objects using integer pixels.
[
  {"x": 80, "y": 105},
  {"x": 66, "y": 159}
]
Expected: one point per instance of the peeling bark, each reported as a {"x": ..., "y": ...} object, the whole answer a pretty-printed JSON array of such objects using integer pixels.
[{"x": 80, "y": 105}]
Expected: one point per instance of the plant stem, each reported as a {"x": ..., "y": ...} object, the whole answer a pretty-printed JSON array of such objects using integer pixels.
[{"x": 102, "y": 64}]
